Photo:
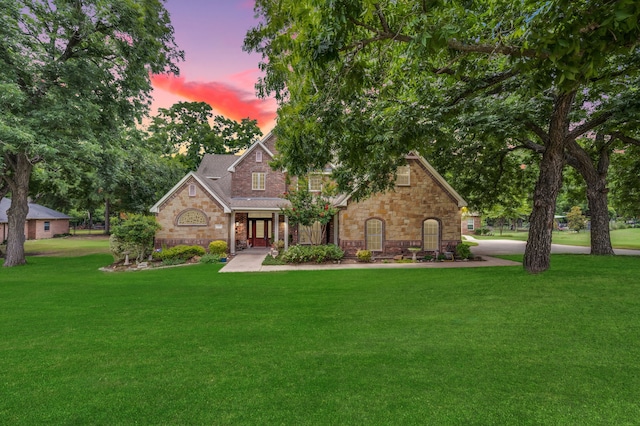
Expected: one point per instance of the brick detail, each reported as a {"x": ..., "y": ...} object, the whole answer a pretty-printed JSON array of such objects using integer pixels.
[{"x": 241, "y": 179}]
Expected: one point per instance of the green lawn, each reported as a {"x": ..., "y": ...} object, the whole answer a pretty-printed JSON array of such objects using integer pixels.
[
  {"x": 68, "y": 246},
  {"x": 431, "y": 346},
  {"x": 621, "y": 238}
]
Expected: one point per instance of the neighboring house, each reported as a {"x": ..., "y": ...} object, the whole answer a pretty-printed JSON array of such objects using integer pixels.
[
  {"x": 238, "y": 199},
  {"x": 471, "y": 222},
  {"x": 42, "y": 222}
]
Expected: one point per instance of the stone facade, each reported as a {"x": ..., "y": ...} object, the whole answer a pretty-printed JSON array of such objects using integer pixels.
[
  {"x": 225, "y": 207},
  {"x": 403, "y": 213},
  {"x": 216, "y": 226}
]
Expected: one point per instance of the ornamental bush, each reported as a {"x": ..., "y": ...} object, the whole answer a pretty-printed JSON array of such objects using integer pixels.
[
  {"x": 218, "y": 247},
  {"x": 363, "y": 255},
  {"x": 319, "y": 254},
  {"x": 179, "y": 252},
  {"x": 463, "y": 251},
  {"x": 135, "y": 236}
]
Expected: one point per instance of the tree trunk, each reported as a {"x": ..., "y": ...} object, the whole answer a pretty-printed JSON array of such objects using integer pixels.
[
  {"x": 537, "y": 254},
  {"x": 599, "y": 209},
  {"x": 596, "y": 180},
  {"x": 107, "y": 216},
  {"x": 17, "y": 213}
]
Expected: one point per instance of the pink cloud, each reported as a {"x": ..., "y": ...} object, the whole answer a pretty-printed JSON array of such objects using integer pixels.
[{"x": 227, "y": 100}]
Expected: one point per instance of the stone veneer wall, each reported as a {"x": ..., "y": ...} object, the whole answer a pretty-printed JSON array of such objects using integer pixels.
[
  {"x": 241, "y": 182},
  {"x": 171, "y": 234},
  {"x": 403, "y": 212}
]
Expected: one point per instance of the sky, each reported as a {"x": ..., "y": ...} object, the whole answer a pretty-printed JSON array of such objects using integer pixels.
[{"x": 216, "y": 70}]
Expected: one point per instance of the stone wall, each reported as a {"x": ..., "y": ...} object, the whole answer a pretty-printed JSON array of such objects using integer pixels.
[
  {"x": 171, "y": 234},
  {"x": 403, "y": 212},
  {"x": 241, "y": 184}
]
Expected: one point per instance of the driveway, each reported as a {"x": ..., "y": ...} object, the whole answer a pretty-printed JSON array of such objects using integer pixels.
[{"x": 498, "y": 247}]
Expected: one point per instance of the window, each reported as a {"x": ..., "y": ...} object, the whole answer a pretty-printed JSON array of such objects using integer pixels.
[
  {"x": 404, "y": 176},
  {"x": 192, "y": 190},
  {"x": 470, "y": 224},
  {"x": 431, "y": 235},
  {"x": 373, "y": 235},
  {"x": 315, "y": 183},
  {"x": 310, "y": 234},
  {"x": 191, "y": 218},
  {"x": 257, "y": 181},
  {"x": 258, "y": 156},
  {"x": 47, "y": 226}
]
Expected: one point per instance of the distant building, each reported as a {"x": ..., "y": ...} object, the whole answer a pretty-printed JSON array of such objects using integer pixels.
[{"x": 42, "y": 222}]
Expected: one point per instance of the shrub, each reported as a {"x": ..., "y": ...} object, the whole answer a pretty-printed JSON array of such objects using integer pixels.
[
  {"x": 218, "y": 247},
  {"x": 179, "y": 252},
  {"x": 463, "y": 251},
  {"x": 210, "y": 258},
  {"x": 363, "y": 255},
  {"x": 119, "y": 247},
  {"x": 134, "y": 235},
  {"x": 319, "y": 254},
  {"x": 479, "y": 231}
]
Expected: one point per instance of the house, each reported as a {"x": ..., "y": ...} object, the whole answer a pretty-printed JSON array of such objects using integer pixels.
[
  {"x": 239, "y": 198},
  {"x": 470, "y": 222},
  {"x": 42, "y": 222}
]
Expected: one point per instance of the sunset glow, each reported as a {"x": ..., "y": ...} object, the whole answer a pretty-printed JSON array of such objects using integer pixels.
[{"x": 227, "y": 100}]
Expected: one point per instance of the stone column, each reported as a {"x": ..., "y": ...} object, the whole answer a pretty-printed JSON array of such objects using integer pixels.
[
  {"x": 336, "y": 225},
  {"x": 286, "y": 232},
  {"x": 232, "y": 232}
]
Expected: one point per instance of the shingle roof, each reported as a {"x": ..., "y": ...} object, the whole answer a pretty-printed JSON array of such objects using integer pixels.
[{"x": 36, "y": 211}]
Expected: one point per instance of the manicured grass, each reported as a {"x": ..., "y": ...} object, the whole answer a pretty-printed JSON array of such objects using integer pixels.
[
  {"x": 439, "y": 346},
  {"x": 68, "y": 246},
  {"x": 620, "y": 238}
]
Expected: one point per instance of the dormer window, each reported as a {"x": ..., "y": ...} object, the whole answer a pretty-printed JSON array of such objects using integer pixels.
[
  {"x": 258, "y": 156},
  {"x": 315, "y": 183}
]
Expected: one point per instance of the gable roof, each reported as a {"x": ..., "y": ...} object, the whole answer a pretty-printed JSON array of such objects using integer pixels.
[
  {"x": 213, "y": 188},
  {"x": 36, "y": 211},
  {"x": 342, "y": 200},
  {"x": 232, "y": 168}
]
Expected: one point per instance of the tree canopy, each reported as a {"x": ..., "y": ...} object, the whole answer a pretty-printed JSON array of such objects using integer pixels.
[
  {"x": 189, "y": 129},
  {"x": 72, "y": 74},
  {"x": 362, "y": 82}
]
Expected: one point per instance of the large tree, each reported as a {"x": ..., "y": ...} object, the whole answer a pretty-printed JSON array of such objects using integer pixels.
[
  {"x": 362, "y": 82},
  {"x": 191, "y": 130},
  {"x": 73, "y": 73}
]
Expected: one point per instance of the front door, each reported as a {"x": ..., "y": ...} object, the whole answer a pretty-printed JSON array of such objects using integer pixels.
[{"x": 259, "y": 232}]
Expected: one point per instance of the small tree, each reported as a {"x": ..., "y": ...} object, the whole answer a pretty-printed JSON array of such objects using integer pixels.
[
  {"x": 135, "y": 235},
  {"x": 576, "y": 219},
  {"x": 308, "y": 208}
]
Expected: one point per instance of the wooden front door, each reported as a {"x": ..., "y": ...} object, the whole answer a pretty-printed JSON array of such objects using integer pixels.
[{"x": 259, "y": 232}]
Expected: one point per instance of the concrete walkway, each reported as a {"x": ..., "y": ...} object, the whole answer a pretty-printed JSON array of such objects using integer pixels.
[{"x": 251, "y": 261}]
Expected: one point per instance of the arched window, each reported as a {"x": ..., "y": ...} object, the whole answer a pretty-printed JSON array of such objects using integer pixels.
[
  {"x": 191, "y": 217},
  {"x": 431, "y": 235},
  {"x": 373, "y": 235}
]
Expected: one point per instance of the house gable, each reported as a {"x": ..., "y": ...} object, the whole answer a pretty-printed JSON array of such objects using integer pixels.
[
  {"x": 404, "y": 210},
  {"x": 252, "y": 176},
  {"x": 195, "y": 179}
]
